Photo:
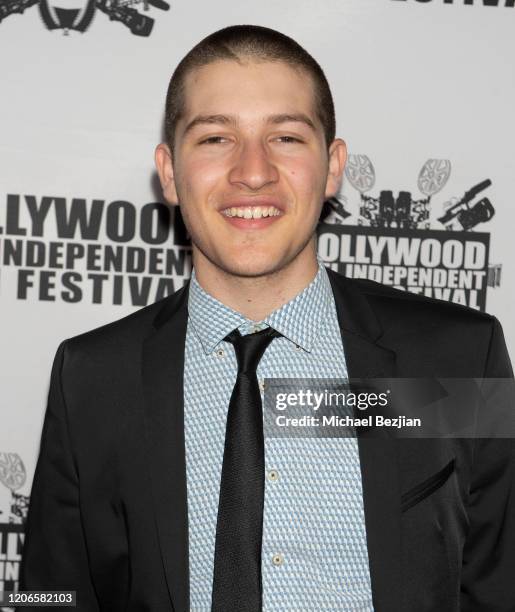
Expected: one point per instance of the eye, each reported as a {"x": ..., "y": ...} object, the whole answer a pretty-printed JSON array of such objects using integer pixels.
[
  {"x": 212, "y": 140},
  {"x": 289, "y": 139}
]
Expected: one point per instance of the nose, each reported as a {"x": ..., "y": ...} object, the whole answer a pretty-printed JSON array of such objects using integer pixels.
[{"x": 253, "y": 169}]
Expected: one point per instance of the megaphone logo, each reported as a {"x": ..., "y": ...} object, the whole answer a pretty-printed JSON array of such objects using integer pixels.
[{"x": 67, "y": 14}]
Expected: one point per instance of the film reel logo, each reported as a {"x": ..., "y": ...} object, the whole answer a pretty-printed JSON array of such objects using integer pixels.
[
  {"x": 401, "y": 211},
  {"x": 13, "y": 475}
]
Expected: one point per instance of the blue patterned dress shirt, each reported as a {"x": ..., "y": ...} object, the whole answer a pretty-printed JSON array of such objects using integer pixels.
[{"x": 314, "y": 555}]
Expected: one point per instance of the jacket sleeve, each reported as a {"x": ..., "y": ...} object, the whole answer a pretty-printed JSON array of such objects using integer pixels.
[
  {"x": 488, "y": 570},
  {"x": 54, "y": 553}
]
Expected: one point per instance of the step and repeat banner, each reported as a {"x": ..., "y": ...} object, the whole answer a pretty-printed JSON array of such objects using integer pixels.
[{"x": 424, "y": 94}]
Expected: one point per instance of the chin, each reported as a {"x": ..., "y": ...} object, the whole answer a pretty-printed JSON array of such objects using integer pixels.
[{"x": 251, "y": 266}]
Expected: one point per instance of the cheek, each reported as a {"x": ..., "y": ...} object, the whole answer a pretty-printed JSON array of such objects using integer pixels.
[
  {"x": 306, "y": 182},
  {"x": 198, "y": 181}
]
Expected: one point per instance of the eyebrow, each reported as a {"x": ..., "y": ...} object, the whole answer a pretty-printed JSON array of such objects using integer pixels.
[{"x": 231, "y": 120}]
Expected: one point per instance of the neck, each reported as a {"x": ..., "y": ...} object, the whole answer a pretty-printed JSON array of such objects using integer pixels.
[{"x": 255, "y": 297}]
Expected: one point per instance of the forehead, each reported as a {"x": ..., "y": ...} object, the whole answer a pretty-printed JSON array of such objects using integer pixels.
[{"x": 248, "y": 89}]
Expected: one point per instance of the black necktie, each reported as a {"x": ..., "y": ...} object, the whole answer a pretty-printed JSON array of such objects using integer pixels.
[{"x": 239, "y": 531}]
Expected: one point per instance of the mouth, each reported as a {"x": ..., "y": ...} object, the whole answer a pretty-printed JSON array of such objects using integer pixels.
[
  {"x": 251, "y": 217},
  {"x": 251, "y": 212}
]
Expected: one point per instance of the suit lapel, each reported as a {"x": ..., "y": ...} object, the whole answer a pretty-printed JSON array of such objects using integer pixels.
[
  {"x": 163, "y": 366},
  {"x": 367, "y": 358}
]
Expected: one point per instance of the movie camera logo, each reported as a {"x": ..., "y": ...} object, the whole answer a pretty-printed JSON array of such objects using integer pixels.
[
  {"x": 77, "y": 15},
  {"x": 393, "y": 242},
  {"x": 13, "y": 515},
  {"x": 494, "y": 3}
]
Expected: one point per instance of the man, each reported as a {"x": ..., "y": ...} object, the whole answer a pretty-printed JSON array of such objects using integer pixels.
[{"x": 154, "y": 488}]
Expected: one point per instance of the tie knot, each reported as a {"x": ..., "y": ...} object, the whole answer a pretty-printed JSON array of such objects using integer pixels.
[{"x": 250, "y": 348}]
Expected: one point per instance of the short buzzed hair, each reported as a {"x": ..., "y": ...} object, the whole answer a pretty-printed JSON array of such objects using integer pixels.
[{"x": 248, "y": 41}]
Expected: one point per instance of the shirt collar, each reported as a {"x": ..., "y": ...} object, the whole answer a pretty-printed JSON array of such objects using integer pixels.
[{"x": 298, "y": 320}]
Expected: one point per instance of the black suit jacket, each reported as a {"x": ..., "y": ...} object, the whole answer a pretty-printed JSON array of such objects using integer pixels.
[{"x": 108, "y": 512}]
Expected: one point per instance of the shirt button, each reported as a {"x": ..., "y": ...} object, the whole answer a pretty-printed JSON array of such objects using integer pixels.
[
  {"x": 273, "y": 475},
  {"x": 278, "y": 559},
  {"x": 298, "y": 348},
  {"x": 220, "y": 352}
]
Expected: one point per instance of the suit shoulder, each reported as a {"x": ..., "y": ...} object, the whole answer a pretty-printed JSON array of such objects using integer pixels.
[
  {"x": 431, "y": 335},
  {"x": 123, "y": 332}
]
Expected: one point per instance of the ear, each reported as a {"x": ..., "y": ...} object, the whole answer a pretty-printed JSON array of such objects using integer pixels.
[
  {"x": 337, "y": 159},
  {"x": 163, "y": 160}
]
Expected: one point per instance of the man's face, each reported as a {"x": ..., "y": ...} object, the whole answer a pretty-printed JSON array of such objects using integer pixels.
[{"x": 250, "y": 144}]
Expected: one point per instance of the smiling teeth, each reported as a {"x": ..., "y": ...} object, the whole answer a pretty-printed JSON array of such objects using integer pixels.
[{"x": 252, "y": 212}]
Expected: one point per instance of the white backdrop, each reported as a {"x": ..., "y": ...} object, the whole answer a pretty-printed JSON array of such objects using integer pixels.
[{"x": 81, "y": 113}]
